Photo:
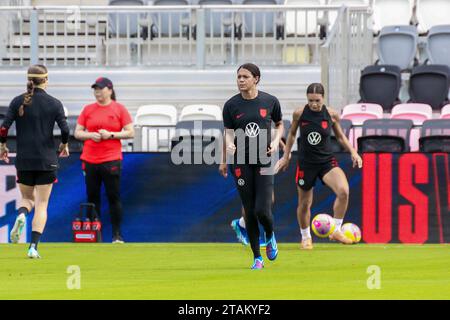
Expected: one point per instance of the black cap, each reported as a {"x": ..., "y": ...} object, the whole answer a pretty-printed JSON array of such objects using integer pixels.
[{"x": 102, "y": 83}]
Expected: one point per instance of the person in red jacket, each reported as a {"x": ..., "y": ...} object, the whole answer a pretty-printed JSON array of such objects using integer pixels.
[{"x": 101, "y": 125}]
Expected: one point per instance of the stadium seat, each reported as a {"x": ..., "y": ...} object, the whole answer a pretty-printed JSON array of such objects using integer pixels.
[
  {"x": 385, "y": 135},
  {"x": 429, "y": 84},
  {"x": 358, "y": 113},
  {"x": 435, "y": 136},
  {"x": 175, "y": 24},
  {"x": 445, "y": 112},
  {"x": 217, "y": 23},
  {"x": 211, "y": 130},
  {"x": 418, "y": 113},
  {"x": 303, "y": 23},
  {"x": 346, "y": 127},
  {"x": 3, "y": 111},
  {"x": 260, "y": 23},
  {"x": 201, "y": 112},
  {"x": 124, "y": 23},
  {"x": 157, "y": 122},
  {"x": 391, "y": 12},
  {"x": 431, "y": 13},
  {"x": 438, "y": 45},
  {"x": 380, "y": 84},
  {"x": 397, "y": 45}
]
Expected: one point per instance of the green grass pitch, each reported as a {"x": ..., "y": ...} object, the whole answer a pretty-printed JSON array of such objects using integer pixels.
[{"x": 189, "y": 271}]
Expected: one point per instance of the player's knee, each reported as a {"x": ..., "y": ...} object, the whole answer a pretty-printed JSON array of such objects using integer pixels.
[
  {"x": 304, "y": 206},
  {"x": 343, "y": 193}
]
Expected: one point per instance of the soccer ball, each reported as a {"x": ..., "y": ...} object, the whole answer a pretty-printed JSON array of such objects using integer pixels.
[
  {"x": 351, "y": 231},
  {"x": 323, "y": 225}
]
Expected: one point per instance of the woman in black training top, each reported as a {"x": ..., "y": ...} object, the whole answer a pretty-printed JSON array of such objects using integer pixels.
[
  {"x": 35, "y": 113},
  {"x": 247, "y": 120}
]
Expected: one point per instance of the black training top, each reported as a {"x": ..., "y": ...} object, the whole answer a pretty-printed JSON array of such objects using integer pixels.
[
  {"x": 315, "y": 132},
  {"x": 248, "y": 118},
  {"x": 36, "y": 148}
]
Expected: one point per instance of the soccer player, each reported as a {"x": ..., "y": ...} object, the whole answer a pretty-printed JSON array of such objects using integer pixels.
[
  {"x": 101, "y": 125},
  {"x": 247, "y": 120},
  {"x": 35, "y": 113},
  {"x": 316, "y": 160}
]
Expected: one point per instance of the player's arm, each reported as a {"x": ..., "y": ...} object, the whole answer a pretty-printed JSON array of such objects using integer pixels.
[
  {"x": 228, "y": 147},
  {"x": 126, "y": 133},
  {"x": 10, "y": 117},
  {"x": 283, "y": 163},
  {"x": 342, "y": 139},
  {"x": 82, "y": 134},
  {"x": 275, "y": 143}
]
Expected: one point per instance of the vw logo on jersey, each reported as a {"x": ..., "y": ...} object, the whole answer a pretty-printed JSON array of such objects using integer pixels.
[
  {"x": 241, "y": 182},
  {"x": 314, "y": 138},
  {"x": 252, "y": 130}
]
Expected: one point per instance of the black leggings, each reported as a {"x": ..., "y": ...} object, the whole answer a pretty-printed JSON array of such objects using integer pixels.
[
  {"x": 108, "y": 173},
  {"x": 255, "y": 190}
]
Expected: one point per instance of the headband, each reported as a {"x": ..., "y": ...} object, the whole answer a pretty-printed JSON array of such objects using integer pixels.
[{"x": 35, "y": 75}]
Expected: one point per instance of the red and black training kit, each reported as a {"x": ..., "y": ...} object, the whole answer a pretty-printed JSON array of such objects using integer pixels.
[{"x": 315, "y": 156}]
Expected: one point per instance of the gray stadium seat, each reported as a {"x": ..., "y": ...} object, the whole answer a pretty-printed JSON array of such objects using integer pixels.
[
  {"x": 385, "y": 135},
  {"x": 174, "y": 24},
  {"x": 380, "y": 84},
  {"x": 124, "y": 23},
  {"x": 430, "y": 84},
  {"x": 216, "y": 21},
  {"x": 346, "y": 126},
  {"x": 438, "y": 45},
  {"x": 3, "y": 111},
  {"x": 435, "y": 136},
  {"x": 260, "y": 23},
  {"x": 397, "y": 45}
]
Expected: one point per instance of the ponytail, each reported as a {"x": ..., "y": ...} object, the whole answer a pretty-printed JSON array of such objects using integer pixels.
[
  {"x": 113, "y": 95},
  {"x": 37, "y": 75}
]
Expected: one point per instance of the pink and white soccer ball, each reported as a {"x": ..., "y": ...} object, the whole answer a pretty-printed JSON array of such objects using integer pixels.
[
  {"x": 323, "y": 225},
  {"x": 351, "y": 231}
]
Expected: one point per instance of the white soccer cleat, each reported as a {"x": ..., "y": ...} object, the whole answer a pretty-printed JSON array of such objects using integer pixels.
[
  {"x": 17, "y": 229},
  {"x": 33, "y": 254}
]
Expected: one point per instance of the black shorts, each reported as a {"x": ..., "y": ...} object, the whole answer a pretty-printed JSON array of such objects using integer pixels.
[
  {"x": 33, "y": 178},
  {"x": 306, "y": 175}
]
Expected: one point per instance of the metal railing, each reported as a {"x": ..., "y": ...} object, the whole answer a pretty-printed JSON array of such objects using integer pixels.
[
  {"x": 346, "y": 52},
  {"x": 167, "y": 35}
]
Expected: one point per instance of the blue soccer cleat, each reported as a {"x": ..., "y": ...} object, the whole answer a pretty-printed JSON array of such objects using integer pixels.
[
  {"x": 241, "y": 233},
  {"x": 33, "y": 254},
  {"x": 258, "y": 264},
  {"x": 271, "y": 248}
]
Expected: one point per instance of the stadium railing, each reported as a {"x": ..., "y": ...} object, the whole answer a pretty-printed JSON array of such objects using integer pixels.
[{"x": 172, "y": 35}]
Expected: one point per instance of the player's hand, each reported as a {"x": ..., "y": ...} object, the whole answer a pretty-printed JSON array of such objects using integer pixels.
[
  {"x": 4, "y": 153},
  {"x": 105, "y": 134},
  {"x": 231, "y": 149},
  {"x": 223, "y": 170},
  {"x": 282, "y": 164},
  {"x": 274, "y": 145},
  {"x": 63, "y": 150},
  {"x": 97, "y": 137},
  {"x": 357, "y": 160}
]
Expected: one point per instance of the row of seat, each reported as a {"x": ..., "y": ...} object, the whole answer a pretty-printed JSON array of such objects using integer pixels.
[
  {"x": 428, "y": 84},
  {"x": 426, "y": 13},
  {"x": 397, "y": 45}
]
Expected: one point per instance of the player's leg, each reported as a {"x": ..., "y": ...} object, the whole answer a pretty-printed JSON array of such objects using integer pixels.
[
  {"x": 263, "y": 208},
  {"x": 337, "y": 181},
  {"x": 26, "y": 204},
  {"x": 111, "y": 173},
  {"x": 244, "y": 178},
  {"x": 40, "y": 217},
  {"x": 305, "y": 180},
  {"x": 93, "y": 180},
  {"x": 305, "y": 199}
]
